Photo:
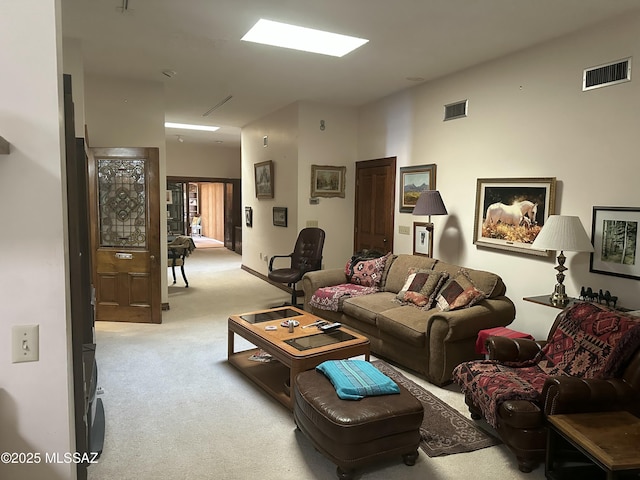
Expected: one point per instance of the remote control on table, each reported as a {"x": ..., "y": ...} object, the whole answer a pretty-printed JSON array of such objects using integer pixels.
[{"x": 330, "y": 327}]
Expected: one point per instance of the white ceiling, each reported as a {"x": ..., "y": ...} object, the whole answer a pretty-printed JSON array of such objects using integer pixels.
[{"x": 409, "y": 39}]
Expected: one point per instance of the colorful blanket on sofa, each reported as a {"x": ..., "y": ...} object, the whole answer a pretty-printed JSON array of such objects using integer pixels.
[
  {"x": 584, "y": 345},
  {"x": 332, "y": 298}
]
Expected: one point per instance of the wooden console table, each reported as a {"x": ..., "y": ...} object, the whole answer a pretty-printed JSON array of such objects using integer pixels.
[
  {"x": 546, "y": 300},
  {"x": 608, "y": 442}
]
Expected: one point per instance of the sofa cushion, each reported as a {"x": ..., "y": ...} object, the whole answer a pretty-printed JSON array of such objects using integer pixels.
[
  {"x": 421, "y": 287},
  {"x": 368, "y": 273},
  {"x": 484, "y": 281},
  {"x": 405, "y": 323},
  {"x": 459, "y": 292},
  {"x": 367, "y": 307},
  {"x": 398, "y": 271}
]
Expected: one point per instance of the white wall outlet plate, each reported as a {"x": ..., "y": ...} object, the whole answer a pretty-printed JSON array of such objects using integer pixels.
[{"x": 25, "y": 343}]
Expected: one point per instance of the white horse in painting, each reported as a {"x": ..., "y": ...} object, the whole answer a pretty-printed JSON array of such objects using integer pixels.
[{"x": 512, "y": 214}]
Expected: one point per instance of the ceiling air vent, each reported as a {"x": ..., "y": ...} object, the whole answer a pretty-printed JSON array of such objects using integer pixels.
[
  {"x": 608, "y": 74},
  {"x": 455, "y": 110}
]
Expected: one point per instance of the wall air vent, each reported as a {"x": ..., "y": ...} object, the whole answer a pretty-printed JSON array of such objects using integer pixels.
[
  {"x": 455, "y": 110},
  {"x": 605, "y": 75}
]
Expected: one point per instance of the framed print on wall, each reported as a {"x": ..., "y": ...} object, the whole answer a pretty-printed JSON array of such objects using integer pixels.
[
  {"x": 510, "y": 212},
  {"x": 264, "y": 179},
  {"x": 280, "y": 216},
  {"x": 248, "y": 216},
  {"x": 327, "y": 181},
  {"x": 414, "y": 181},
  {"x": 614, "y": 235},
  {"x": 423, "y": 239}
]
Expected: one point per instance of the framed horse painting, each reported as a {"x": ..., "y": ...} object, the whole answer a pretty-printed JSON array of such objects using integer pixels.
[{"x": 510, "y": 212}]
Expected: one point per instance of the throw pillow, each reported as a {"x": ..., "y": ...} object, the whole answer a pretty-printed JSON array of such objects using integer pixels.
[
  {"x": 368, "y": 273},
  {"x": 459, "y": 292},
  {"x": 420, "y": 287}
]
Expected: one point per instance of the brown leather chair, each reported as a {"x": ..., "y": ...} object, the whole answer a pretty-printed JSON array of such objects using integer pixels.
[
  {"x": 609, "y": 380},
  {"x": 306, "y": 257}
]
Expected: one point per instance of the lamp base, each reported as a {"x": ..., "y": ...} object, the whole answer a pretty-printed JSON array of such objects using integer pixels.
[{"x": 559, "y": 296}]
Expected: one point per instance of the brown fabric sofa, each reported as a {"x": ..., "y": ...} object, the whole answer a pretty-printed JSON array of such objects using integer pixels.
[{"x": 430, "y": 342}]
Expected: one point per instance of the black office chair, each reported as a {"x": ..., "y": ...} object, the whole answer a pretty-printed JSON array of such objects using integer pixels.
[{"x": 306, "y": 257}]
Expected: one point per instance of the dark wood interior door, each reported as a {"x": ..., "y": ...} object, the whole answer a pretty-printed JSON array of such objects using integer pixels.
[
  {"x": 125, "y": 236},
  {"x": 375, "y": 201}
]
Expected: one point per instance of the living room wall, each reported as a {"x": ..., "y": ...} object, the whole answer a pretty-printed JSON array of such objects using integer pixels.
[
  {"x": 527, "y": 117},
  {"x": 295, "y": 142},
  {"x": 192, "y": 159},
  {"x": 36, "y": 400}
]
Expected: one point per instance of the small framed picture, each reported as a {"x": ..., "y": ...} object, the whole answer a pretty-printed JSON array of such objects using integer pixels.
[
  {"x": 327, "y": 181},
  {"x": 264, "y": 179},
  {"x": 248, "y": 216},
  {"x": 413, "y": 181},
  {"x": 280, "y": 216},
  {"x": 614, "y": 234},
  {"x": 423, "y": 239}
]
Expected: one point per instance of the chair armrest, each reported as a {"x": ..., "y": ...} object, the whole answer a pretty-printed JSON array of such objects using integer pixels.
[
  {"x": 277, "y": 256},
  {"x": 578, "y": 395},
  {"x": 506, "y": 349}
]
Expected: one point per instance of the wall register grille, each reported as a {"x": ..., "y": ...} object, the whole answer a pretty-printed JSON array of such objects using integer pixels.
[
  {"x": 455, "y": 110},
  {"x": 607, "y": 74}
]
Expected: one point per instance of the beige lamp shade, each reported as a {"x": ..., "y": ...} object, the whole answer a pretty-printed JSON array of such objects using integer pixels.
[{"x": 564, "y": 233}]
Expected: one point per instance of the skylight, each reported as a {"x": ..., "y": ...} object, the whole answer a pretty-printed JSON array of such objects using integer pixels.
[
  {"x": 188, "y": 126},
  {"x": 284, "y": 35}
]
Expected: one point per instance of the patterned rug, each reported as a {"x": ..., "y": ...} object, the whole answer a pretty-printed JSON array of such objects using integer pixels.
[{"x": 444, "y": 430}]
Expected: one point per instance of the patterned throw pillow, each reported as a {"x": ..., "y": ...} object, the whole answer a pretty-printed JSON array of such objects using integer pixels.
[
  {"x": 420, "y": 287},
  {"x": 368, "y": 273},
  {"x": 459, "y": 292}
]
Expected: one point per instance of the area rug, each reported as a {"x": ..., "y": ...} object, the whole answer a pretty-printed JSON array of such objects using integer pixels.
[{"x": 444, "y": 430}]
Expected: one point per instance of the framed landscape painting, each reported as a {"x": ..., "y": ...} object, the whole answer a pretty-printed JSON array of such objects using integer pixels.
[
  {"x": 414, "y": 181},
  {"x": 327, "y": 181},
  {"x": 614, "y": 234},
  {"x": 264, "y": 179},
  {"x": 510, "y": 212},
  {"x": 280, "y": 216}
]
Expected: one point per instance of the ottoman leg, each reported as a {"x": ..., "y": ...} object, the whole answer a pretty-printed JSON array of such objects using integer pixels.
[
  {"x": 344, "y": 474},
  {"x": 410, "y": 458}
]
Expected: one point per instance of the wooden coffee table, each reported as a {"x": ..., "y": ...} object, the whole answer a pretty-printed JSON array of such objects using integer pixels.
[
  {"x": 292, "y": 353},
  {"x": 609, "y": 442}
]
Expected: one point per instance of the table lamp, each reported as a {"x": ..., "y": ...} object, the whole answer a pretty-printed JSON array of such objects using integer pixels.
[{"x": 562, "y": 232}]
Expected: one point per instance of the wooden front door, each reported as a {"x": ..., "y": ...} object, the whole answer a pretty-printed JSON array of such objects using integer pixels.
[
  {"x": 124, "y": 199},
  {"x": 375, "y": 200}
]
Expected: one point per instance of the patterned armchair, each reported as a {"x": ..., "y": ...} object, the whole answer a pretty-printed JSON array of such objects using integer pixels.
[{"x": 590, "y": 362}]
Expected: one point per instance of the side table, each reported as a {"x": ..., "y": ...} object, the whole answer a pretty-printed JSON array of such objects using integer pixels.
[
  {"x": 608, "y": 442},
  {"x": 497, "y": 332}
]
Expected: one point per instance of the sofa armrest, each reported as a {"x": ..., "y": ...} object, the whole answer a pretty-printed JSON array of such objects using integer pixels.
[
  {"x": 578, "y": 395},
  {"x": 506, "y": 349},
  {"x": 312, "y": 281},
  {"x": 465, "y": 323}
]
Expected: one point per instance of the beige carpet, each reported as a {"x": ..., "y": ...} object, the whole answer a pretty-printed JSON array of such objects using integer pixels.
[
  {"x": 176, "y": 410},
  {"x": 206, "y": 242}
]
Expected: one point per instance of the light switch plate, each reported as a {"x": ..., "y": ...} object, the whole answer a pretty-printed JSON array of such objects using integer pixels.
[
  {"x": 25, "y": 343},
  {"x": 404, "y": 230}
]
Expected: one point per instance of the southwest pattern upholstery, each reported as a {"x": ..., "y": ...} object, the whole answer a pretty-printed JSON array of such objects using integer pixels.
[
  {"x": 583, "y": 345},
  {"x": 332, "y": 298}
]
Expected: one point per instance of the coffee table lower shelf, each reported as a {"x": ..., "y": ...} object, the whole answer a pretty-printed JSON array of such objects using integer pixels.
[{"x": 271, "y": 376}]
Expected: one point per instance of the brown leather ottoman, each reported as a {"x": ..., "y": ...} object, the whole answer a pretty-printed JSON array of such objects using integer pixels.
[{"x": 356, "y": 433}]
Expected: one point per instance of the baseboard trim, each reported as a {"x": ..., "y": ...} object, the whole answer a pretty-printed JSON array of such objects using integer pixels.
[{"x": 261, "y": 276}]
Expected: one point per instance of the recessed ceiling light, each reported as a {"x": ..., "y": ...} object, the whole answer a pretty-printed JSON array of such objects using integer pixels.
[
  {"x": 187, "y": 126},
  {"x": 284, "y": 35}
]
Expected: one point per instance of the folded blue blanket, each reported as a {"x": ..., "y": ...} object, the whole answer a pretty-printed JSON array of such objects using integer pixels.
[{"x": 356, "y": 379}]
